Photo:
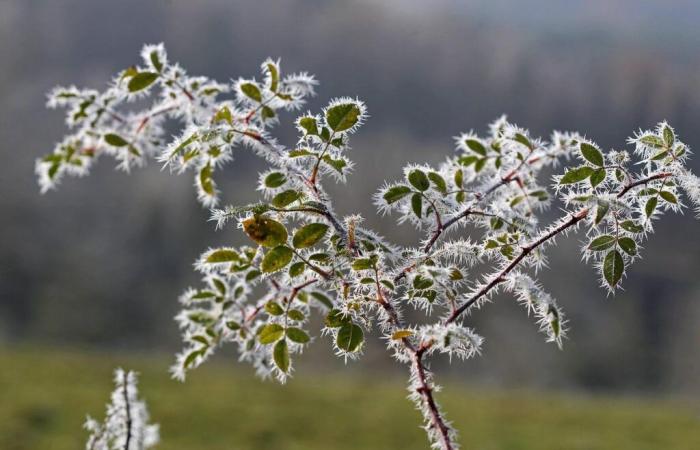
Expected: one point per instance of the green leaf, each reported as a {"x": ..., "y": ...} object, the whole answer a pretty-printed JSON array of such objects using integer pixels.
[
  {"x": 602, "y": 243},
  {"x": 223, "y": 115},
  {"x": 275, "y": 180},
  {"x": 274, "y": 76},
  {"x": 597, "y": 177},
  {"x": 337, "y": 164},
  {"x": 234, "y": 326},
  {"x": 417, "y": 205},
  {"x": 320, "y": 257},
  {"x": 519, "y": 137},
  {"x": 115, "y": 140},
  {"x": 309, "y": 235},
  {"x": 296, "y": 269},
  {"x": 201, "y": 339},
  {"x": 141, "y": 81},
  {"x": 438, "y": 181},
  {"x": 480, "y": 164},
  {"x": 628, "y": 245},
  {"x": 517, "y": 200},
  {"x": 632, "y": 227},
  {"x": 592, "y": 154},
  {"x": 270, "y": 333},
  {"x": 491, "y": 244},
  {"x": 193, "y": 137},
  {"x": 388, "y": 284},
  {"x": 190, "y": 359},
  {"x": 252, "y": 91},
  {"x": 613, "y": 268},
  {"x": 309, "y": 124},
  {"x": 468, "y": 160},
  {"x": 456, "y": 275},
  {"x": 362, "y": 264},
  {"x": 343, "y": 116},
  {"x": 652, "y": 141},
  {"x": 336, "y": 319},
  {"x": 396, "y": 193},
  {"x": 507, "y": 251},
  {"x": 274, "y": 308},
  {"x": 554, "y": 321},
  {"x": 268, "y": 113},
  {"x": 297, "y": 335},
  {"x": 220, "y": 286},
  {"x": 576, "y": 175},
  {"x": 203, "y": 295},
  {"x": 651, "y": 206},
  {"x": 476, "y": 146},
  {"x": 264, "y": 231},
  {"x": 155, "y": 60},
  {"x": 601, "y": 211},
  {"x": 418, "y": 180},
  {"x": 253, "y": 274},
  {"x": 285, "y": 198},
  {"x": 421, "y": 283},
  {"x": 206, "y": 180},
  {"x": 659, "y": 156},
  {"x": 349, "y": 337},
  {"x": 295, "y": 314},
  {"x": 669, "y": 197},
  {"x": 222, "y": 255},
  {"x": 300, "y": 152},
  {"x": 669, "y": 137},
  {"x": 276, "y": 259},
  {"x": 281, "y": 355},
  {"x": 459, "y": 178},
  {"x": 540, "y": 195}
]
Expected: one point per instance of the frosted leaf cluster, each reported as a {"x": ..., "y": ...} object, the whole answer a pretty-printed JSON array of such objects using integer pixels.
[
  {"x": 126, "y": 425},
  {"x": 480, "y": 210}
]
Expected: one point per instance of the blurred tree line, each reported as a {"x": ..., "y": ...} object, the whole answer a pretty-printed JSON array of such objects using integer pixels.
[{"x": 102, "y": 261}]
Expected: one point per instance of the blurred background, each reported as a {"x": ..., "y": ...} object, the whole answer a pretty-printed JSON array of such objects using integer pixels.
[{"x": 96, "y": 267}]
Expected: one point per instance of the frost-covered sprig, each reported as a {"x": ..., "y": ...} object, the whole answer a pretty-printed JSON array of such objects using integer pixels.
[
  {"x": 480, "y": 209},
  {"x": 626, "y": 202},
  {"x": 548, "y": 313},
  {"x": 108, "y": 123},
  {"x": 451, "y": 339},
  {"x": 126, "y": 425}
]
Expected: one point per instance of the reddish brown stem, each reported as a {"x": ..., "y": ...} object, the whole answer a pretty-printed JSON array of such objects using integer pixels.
[{"x": 574, "y": 219}]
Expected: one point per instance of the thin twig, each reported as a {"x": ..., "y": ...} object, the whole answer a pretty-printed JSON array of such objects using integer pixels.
[{"x": 127, "y": 406}]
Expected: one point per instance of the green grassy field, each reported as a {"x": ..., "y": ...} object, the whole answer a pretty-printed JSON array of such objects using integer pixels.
[{"x": 44, "y": 396}]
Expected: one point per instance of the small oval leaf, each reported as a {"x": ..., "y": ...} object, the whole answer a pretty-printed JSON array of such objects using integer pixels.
[
  {"x": 264, "y": 231},
  {"x": 115, "y": 140},
  {"x": 592, "y": 154},
  {"x": 350, "y": 337},
  {"x": 396, "y": 193},
  {"x": 141, "y": 81},
  {"x": 270, "y": 333},
  {"x": 309, "y": 235},
  {"x": 276, "y": 259},
  {"x": 342, "y": 117},
  {"x": 613, "y": 268},
  {"x": 419, "y": 180},
  {"x": 281, "y": 355},
  {"x": 297, "y": 335},
  {"x": 576, "y": 175}
]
